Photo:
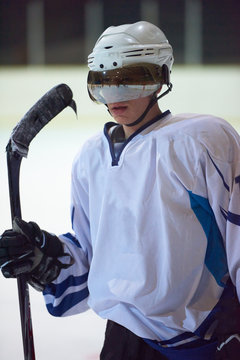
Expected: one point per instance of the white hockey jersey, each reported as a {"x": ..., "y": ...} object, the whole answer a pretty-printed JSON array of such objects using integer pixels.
[{"x": 156, "y": 228}]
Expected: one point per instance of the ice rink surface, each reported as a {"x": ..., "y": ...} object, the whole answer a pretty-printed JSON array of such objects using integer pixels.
[{"x": 45, "y": 183}]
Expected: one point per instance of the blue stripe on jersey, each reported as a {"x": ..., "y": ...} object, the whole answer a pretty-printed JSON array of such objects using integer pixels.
[
  {"x": 224, "y": 213},
  {"x": 176, "y": 339},
  {"x": 72, "y": 215},
  {"x": 237, "y": 180},
  {"x": 68, "y": 302},
  {"x": 231, "y": 217},
  {"x": 219, "y": 172},
  {"x": 215, "y": 259},
  {"x": 58, "y": 289},
  {"x": 197, "y": 350},
  {"x": 72, "y": 239}
]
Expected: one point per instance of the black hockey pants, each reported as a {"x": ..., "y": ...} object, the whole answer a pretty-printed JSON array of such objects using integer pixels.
[{"x": 122, "y": 344}]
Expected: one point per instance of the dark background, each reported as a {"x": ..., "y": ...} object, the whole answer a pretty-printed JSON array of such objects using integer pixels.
[{"x": 65, "y": 27}]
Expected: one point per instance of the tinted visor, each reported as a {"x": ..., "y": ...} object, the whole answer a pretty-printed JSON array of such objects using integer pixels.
[{"x": 126, "y": 83}]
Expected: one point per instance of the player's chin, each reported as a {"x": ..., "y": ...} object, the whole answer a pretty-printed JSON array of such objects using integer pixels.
[{"x": 120, "y": 119}]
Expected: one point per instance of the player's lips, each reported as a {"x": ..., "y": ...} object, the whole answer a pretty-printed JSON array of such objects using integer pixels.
[{"x": 117, "y": 109}]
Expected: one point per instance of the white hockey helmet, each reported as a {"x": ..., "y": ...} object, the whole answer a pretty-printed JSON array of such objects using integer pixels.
[{"x": 128, "y": 62}]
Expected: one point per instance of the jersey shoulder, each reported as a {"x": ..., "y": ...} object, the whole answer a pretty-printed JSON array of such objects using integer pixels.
[
  {"x": 89, "y": 150},
  {"x": 213, "y": 133}
]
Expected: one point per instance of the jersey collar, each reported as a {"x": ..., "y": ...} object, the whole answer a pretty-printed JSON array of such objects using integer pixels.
[{"x": 108, "y": 125}]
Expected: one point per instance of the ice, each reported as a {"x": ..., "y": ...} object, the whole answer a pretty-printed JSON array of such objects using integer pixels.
[{"x": 45, "y": 184}]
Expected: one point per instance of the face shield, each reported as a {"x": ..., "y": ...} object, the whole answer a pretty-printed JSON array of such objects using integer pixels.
[{"x": 125, "y": 83}]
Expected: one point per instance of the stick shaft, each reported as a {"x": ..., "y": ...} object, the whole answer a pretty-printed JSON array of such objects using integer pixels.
[
  {"x": 13, "y": 163},
  {"x": 51, "y": 104}
]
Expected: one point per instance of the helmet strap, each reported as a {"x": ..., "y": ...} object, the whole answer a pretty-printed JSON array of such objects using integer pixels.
[{"x": 152, "y": 102}]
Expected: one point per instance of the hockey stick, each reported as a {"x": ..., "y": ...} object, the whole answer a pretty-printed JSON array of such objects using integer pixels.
[{"x": 45, "y": 109}]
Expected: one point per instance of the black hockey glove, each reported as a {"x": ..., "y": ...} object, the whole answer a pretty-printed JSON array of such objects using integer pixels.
[{"x": 28, "y": 250}]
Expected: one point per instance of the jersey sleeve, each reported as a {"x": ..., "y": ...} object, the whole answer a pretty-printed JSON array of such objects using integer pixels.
[
  {"x": 217, "y": 193},
  {"x": 68, "y": 294},
  {"x": 232, "y": 217}
]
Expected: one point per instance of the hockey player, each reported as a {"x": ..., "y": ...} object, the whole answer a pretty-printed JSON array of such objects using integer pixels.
[{"x": 155, "y": 215}]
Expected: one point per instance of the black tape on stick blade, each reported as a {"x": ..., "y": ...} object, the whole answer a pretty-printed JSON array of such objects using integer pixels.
[{"x": 44, "y": 110}]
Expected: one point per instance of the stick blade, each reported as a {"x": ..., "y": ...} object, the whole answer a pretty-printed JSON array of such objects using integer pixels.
[{"x": 43, "y": 111}]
